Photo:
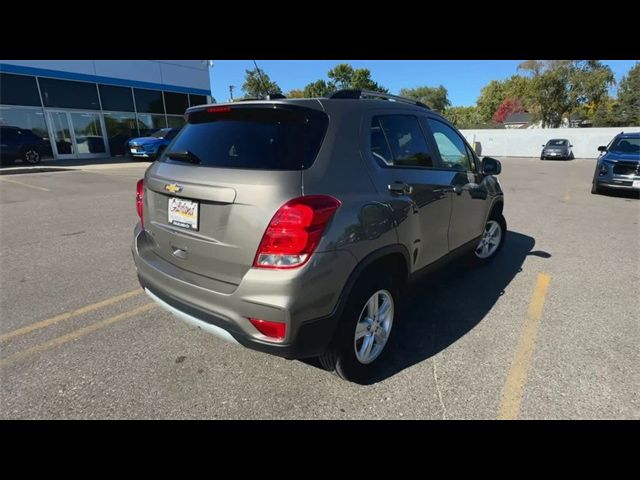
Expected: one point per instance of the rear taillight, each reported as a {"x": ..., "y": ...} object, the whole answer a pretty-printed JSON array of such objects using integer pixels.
[
  {"x": 294, "y": 231},
  {"x": 140, "y": 199},
  {"x": 274, "y": 330}
]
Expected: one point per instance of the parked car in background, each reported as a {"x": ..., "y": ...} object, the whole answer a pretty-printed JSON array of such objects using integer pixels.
[
  {"x": 293, "y": 226},
  {"x": 22, "y": 144},
  {"x": 559, "y": 148},
  {"x": 619, "y": 164},
  {"x": 151, "y": 147}
]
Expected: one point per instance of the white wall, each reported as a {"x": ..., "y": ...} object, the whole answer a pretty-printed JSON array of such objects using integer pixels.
[
  {"x": 528, "y": 142},
  {"x": 182, "y": 73}
]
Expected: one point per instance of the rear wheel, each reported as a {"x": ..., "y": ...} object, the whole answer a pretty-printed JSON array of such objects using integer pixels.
[
  {"x": 366, "y": 329},
  {"x": 30, "y": 156}
]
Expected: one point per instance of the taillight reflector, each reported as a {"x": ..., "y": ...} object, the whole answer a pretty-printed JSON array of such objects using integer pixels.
[
  {"x": 275, "y": 330},
  {"x": 140, "y": 199}
]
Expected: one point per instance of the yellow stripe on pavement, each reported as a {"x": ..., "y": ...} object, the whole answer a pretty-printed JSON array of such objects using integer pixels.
[
  {"x": 74, "y": 335},
  {"x": 24, "y": 184},
  {"x": 517, "y": 378},
  {"x": 67, "y": 315}
]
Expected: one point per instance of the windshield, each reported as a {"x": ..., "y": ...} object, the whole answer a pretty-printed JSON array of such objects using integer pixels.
[
  {"x": 557, "y": 143},
  {"x": 625, "y": 145},
  {"x": 161, "y": 133}
]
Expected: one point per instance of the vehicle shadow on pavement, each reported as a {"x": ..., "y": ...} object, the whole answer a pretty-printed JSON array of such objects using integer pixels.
[{"x": 445, "y": 305}]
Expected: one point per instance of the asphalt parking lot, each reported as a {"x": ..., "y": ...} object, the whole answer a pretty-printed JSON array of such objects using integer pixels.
[{"x": 549, "y": 330}]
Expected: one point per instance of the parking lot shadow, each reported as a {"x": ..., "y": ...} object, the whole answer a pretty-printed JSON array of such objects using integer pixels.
[{"x": 442, "y": 307}]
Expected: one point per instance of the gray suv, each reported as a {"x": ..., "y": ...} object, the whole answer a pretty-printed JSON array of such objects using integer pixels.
[{"x": 294, "y": 226}]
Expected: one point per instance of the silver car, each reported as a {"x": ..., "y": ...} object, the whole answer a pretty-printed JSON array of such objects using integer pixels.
[
  {"x": 557, "y": 148},
  {"x": 293, "y": 226}
]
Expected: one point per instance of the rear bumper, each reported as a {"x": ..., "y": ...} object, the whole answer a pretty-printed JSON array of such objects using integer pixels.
[{"x": 306, "y": 300}]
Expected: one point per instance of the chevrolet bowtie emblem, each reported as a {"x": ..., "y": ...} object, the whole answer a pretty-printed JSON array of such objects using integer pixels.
[{"x": 173, "y": 187}]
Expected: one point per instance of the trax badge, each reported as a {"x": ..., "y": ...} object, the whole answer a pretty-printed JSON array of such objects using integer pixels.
[{"x": 173, "y": 188}]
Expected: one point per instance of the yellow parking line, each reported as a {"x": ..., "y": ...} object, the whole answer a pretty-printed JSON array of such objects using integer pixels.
[
  {"x": 24, "y": 184},
  {"x": 65, "y": 316},
  {"x": 567, "y": 196},
  {"x": 517, "y": 378},
  {"x": 74, "y": 335}
]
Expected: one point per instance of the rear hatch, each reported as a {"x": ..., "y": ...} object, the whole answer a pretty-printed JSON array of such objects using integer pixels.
[{"x": 210, "y": 197}]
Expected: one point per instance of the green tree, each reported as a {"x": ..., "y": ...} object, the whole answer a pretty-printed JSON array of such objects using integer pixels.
[
  {"x": 491, "y": 96},
  {"x": 464, "y": 117},
  {"x": 345, "y": 76},
  {"x": 435, "y": 97},
  {"x": 296, "y": 93},
  {"x": 257, "y": 84},
  {"x": 629, "y": 96},
  {"x": 563, "y": 87},
  {"x": 319, "y": 88}
]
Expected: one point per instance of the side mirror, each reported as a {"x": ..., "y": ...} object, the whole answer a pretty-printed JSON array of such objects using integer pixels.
[
  {"x": 602, "y": 148},
  {"x": 491, "y": 166}
]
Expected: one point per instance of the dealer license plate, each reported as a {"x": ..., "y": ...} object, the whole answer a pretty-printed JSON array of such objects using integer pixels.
[{"x": 183, "y": 213}]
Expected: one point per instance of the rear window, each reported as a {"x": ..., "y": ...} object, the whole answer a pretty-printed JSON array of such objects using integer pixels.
[{"x": 252, "y": 138}]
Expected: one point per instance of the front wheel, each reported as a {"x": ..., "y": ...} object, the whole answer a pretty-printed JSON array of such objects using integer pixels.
[
  {"x": 368, "y": 323},
  {"x": 493, "y": 237},
  {"x": 595, "y": 189}
]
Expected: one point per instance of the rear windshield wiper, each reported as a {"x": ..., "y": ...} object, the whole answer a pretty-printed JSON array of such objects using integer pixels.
[{"x": 184, "y": 156}]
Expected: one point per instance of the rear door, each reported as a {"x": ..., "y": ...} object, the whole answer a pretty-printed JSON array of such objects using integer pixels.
[
  {"x": 211, "y": 195},
  {"x": 401, "y": 159}
]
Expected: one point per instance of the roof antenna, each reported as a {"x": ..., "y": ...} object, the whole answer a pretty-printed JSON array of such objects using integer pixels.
[{"x": 264, "y": 84}]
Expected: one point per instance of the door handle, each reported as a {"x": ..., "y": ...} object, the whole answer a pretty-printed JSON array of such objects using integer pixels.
[{"x": 400, "y": 188}]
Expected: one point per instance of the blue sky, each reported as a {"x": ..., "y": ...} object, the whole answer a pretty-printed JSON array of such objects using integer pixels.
[{"x": 462, "y": 78}]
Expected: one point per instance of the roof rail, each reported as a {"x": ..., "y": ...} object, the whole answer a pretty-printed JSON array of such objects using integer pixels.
[{"x": 359, "y": 93}]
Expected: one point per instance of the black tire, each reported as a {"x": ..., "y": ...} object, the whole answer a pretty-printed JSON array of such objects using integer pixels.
[
  {"x": 341, "y": 357},
  {"x": 595, "y": 189},
  {"x": 502, "y": 222},
  {"x": 542, "y": 158},
  {"x": 30, "y": 156}
]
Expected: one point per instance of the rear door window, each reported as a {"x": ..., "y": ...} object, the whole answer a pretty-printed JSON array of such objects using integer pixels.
[
  {"x": 397, "y": 140},
  {"x": 252, "y": 138}
]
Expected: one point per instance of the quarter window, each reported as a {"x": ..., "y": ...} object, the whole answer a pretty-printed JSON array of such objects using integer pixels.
[
  {"x": 398, "y": 140},
  {"x": 452, "y": 148}
]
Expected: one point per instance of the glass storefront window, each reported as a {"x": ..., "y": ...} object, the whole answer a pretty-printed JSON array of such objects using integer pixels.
[
  {"x": 19, "y": 90},
  {"x": 31, "y": 119},
  {"x": 121, "y": 126},
  {"x": 68, "y": 94},
  {"x": 197, "y": 99},
  {"x": 116, "y": 98},
  {"x": 88, "y": 132},
  {"x": 176, "y": 103},
  {"x": 148, "y": 101},
  {"x": 147, "y": 123},
  {"x": 175, "y": 121}
]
